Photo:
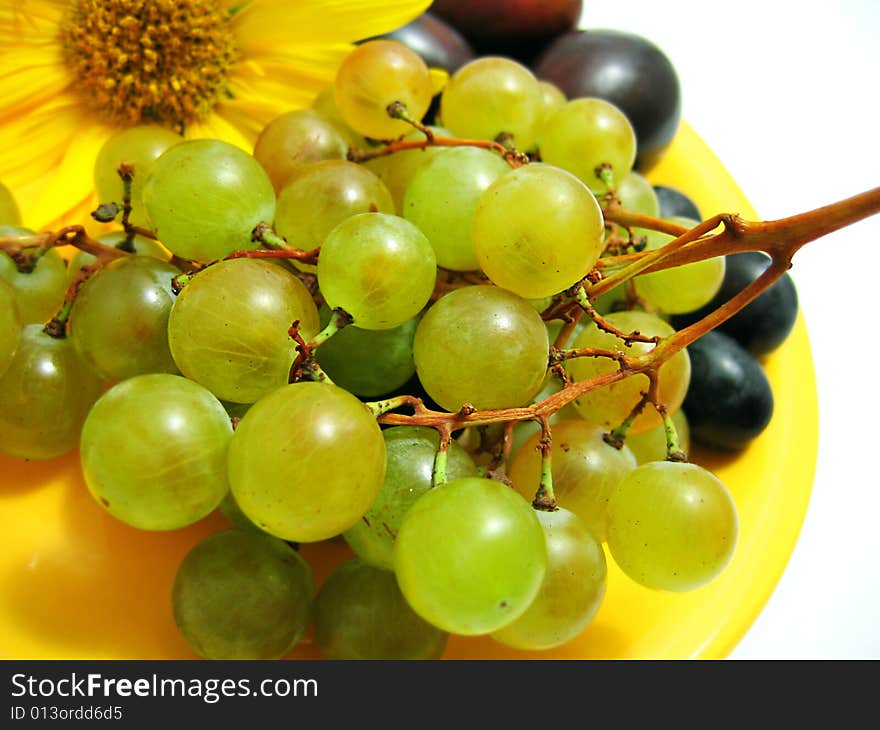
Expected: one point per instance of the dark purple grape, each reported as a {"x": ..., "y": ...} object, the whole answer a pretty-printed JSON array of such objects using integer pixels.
[
  {"x": 675, "y": 203},
  {"x": 729, "y": 401},
  {"x": 765, "y": 323},
  {"x": 625, "y": 69},
  {"x": 437, "y": 42}
]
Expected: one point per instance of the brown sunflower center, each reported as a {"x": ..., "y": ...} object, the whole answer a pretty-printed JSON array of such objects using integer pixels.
[{"x": 160, "y": 61}]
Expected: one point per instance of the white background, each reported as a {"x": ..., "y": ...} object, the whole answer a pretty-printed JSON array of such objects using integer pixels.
[{"x": 786, "y": 94}]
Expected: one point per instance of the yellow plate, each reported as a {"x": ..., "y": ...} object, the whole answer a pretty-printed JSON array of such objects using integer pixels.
[{"x": 75, "y": 583}]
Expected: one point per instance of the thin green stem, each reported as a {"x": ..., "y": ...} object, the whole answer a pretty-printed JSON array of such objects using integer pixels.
[
  {"x": 438, "y": 473},
  {"x": 674, "y": 451},
  {"x": 339, "y": 319},
  {"x": 545, "y": 498}
]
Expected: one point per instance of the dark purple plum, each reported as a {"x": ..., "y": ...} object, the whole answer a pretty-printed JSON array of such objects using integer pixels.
[{"x": 515, "y": 28}]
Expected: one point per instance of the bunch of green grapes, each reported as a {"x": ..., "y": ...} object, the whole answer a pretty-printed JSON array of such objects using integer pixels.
[{"x": 251, "y": 382}]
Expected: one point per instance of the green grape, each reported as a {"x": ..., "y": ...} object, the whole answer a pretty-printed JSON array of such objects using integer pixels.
[
  {"x": 154, "y": 451},
  {"x": 368, "y": 363},
  {"x": 379, "y": 268},
  {"x": 204, "y": 197},
  {"x": 242, "y": 595},
  {"x": 553, "y": 98},
  {"x": 680, "y": 289},
  {"x": 609, "y": 405},
  {"x": 228, "y": 327},
  {"x": 537, "y": 231},
  {"x": 572, "y": 590},
  {"x": 481, "y": 345},
  {"x": 360, "y": 613},
  {"x": 325, "y": 104},
  {"x": 587, "y": 133},
  {"x": 397, "y": 170},
  {"x": 141, "y": 245},
  {"x": 319, "y": 196},
  {"x": 139, "y": 146},
  {"x": 373, "y": 76},
  {"x": 470, "y": 556},
  {"x": 45, "y": 395},
  {"x": 306, "y": 462},
  {"x": 10, "y": 326},
  {"x": 441, "y": 199},
  {"x": 490, "y": 96},
  {"x": 585, "y": 471},
  {"x": 39, "y": 293},
  {"x": 672, "y": 525},
  {"x": 9, "y": 212},
  {"x": 409, "y": 453},
  {"x": 651, "y": 445},
  {"x": 119, "y": 321},
  {"x": 637, "y": 194},
  {"x": 297, "y": 138}
]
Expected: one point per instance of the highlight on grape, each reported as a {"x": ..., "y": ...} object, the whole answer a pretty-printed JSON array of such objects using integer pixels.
[{"x": 459, "y": 343}]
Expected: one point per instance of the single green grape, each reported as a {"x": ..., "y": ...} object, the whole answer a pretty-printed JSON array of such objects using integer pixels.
[
  {"x": 368, "y": 363},
  {"x": 651, "y": 445},
  {"x": 379, "y": 268},
  {"x": 319, "y": 196},
  {"x": 611, "y": 404},
  {"x": 572, "y": 590},
  {"x": 10, "y": 326},
  {"x": 397, "y": 170},
  {"x": 373, "y": 76},
  {"x": 441, "y": 199},
  {"x": 409, "y": 454},
  {"x": 637, "y": 194},
  {"x": 119, "y": 321},
  {"x": 672, "y": 525},
  {"x": 680, "y": 289},
  {"x": 10, "y": 215},
  {"x": 242, "y": 595},
  {"x": 585, "y": 471},
  {"x": 140, "y": 245},
  {"x": 306, "y": 462},
  {"x": 45, "y": 395},
  {"x": 524, "y": 247},
  {"x": 470, "y": 556},
  {"x": 39, "y": 293},
  {"x": 204, "y": 197},
  {"x": 585, "y": 134},
  {"x": 297, "y": 138},
  {"x": 553, "y": 98},
  {"x": 360, "y": 613},
  {"x": 139, "y": 146},
  {"x": 490, "y": 96},
  {"x": 481, "y": 345},
  {"x": 228, "y": 329},
  {"x": 154, "y": 449}
]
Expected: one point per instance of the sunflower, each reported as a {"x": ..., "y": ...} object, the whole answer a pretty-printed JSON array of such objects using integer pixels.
[{"x": 72, "y": 72}]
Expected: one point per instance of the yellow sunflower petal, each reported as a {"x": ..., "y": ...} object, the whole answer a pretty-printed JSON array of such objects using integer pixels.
[
  {"x": 216, "y": 127},
  {"x": 268, "y": 85},
  {"x": 267, "y": 23},
  {"x": 69, "y": 184}
]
